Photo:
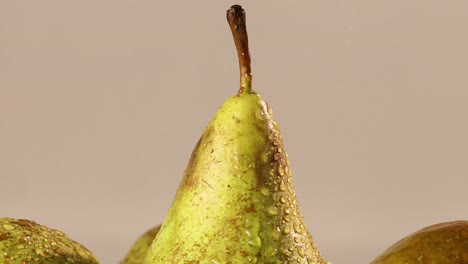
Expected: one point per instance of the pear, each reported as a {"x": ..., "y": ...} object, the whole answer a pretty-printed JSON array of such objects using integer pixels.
[
  {"x": 138, "y": 251},
  {"x": 444, "y": 243},
  {"x": 236, "y": 202},
  {"x": 24, "y": 241}
]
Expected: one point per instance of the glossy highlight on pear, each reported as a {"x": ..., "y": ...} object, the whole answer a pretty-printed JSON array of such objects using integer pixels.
[{"x": 236, "y": 202}]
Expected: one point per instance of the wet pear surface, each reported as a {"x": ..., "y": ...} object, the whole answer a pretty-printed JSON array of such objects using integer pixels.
[
  {"x": 26, "y": 242},
  {"x": 444, "y": 243},
  {"x": 139, "y": 250},
  {"x": 236, "y": 202}
]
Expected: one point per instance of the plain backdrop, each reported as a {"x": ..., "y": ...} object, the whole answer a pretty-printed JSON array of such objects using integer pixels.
[{"x": 102, "y": 102}]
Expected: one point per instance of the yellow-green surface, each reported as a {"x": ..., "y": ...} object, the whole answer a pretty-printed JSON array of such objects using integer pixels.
[
  {"x": 236, "y": 202},
  {"x": 445, "y": 243},
  {"x": 138, "y": 251},
  {"x": 26, "y": 242}
]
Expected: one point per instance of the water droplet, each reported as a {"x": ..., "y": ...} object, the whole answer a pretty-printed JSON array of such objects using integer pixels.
[
  {"x": 273, "y": 210},
  {"x": 283, "y": 200},
  {"x": 276, "y": 126},
  {"x": 59, "y": 251},
  {"x": 260, "y": 115},
  {"x": 253, "y": 260},
  {"x": 40, "y": 252},
  {"x": 255, "y": 242},
  {"x": 269, "y": 110},
  {"x": 275, "y": 234},
  {"x": 59, "y": 233},
  {"x": 196, "y": 247},
  {"x": 286, "y": 231},
  {"x": 282, "y": 186},
  {"x": 287, "y": 211},
  {"x": 265, "y": 191},
  {"x": 281, "y": 170},
  {"x": 297, "y": 229},
  {"x": 286, "y": 252},
  {"x": 276, "y": 156},
  {"x": 280, "y": 149}
]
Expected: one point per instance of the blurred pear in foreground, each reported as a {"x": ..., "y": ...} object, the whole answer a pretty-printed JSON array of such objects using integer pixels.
[
  {"x": 24, "y": 241},
  {"x": 139, "y": 250},
  {"x": 444, "y": 243}
]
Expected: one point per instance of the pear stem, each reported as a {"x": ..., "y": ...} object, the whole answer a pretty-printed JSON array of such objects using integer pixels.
[{"x": 236, "y": 19}]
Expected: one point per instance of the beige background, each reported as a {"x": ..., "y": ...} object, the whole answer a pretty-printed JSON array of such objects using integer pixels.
[{"x": 101, "y": 103}]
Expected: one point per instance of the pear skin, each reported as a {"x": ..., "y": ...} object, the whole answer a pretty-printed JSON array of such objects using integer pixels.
[
  {"x": 444, "y": 243},
  {"x": 24, "y": 241},
  {"x": 139, "y": 250},
  {"x": 236, "y": 202}
]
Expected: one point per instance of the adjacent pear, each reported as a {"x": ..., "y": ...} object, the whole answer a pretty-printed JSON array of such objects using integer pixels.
[
  {"x": 444, "y": 243},
  {"x": 236, "y": 202},
  {"x": 139, "y": 250},
  {"x": 23, "y": 242}
]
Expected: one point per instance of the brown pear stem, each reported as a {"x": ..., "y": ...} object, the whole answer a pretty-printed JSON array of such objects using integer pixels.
[{"x": 236, "y": 18}]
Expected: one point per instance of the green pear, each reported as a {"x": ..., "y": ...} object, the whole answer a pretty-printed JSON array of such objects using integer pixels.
[
  {"x": 444, "y": 243},
  {"x": 26, "y": 242},
  {"x": 236, "y": 202},
  {"x": 139, "y": 250}
]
